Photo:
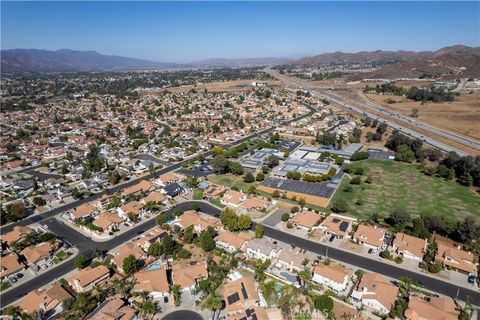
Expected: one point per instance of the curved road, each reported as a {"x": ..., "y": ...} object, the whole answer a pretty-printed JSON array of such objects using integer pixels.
[{"x": 87, "y": 247}]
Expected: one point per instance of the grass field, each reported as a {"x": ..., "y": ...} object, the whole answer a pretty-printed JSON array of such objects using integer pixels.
[
  {"x": 230, "y": 180},
  {"x": 399, "y": 185}
]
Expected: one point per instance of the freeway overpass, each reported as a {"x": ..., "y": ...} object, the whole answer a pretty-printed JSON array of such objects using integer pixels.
[{"x": 350, "y": 106}]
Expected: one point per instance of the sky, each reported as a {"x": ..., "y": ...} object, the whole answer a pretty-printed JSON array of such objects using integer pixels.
[{"x": 190, "y": 31}]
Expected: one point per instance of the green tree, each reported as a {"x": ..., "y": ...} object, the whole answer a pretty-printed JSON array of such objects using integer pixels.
[
  {"x": 404, "y": 154},
  {"x": 177, "y": 295},
  {"x": 339, "y": 206},
  {"x": 249, "y": 177},
  {"x": 80, "y": 262},
  {"x": 168, "y": 245},
  {"x": 260, "y": 176},
  {"x": 188, "y": 235},
  {"x": 324, "y": 303},
  {"x": 214, "y": 303},
  {"x": 259, "y": 231},
  {"x": 206, "y": 239},
  {"x": 130, "y": 264},
  {"x": 148, "y": 308},
  {"x": 244, "y": 222},
  {"x": 155, "y": 249}
]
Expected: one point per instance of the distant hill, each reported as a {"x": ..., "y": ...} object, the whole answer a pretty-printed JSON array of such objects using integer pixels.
[
  {"x": 237, "y": 63},
  {"x": 359, "y": 57},
  {"x": 16, "y": 60},
  {"x": 448, "y": 62}
]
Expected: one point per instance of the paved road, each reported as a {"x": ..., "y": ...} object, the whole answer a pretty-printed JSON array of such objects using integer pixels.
[
  {"x": 51, "y": 213},
  {"x": 87, "y": 247},
  {"x": 329, "y": 96}
]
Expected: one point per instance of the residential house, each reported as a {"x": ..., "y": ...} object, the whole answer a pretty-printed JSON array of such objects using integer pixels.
[
  {"x": 84, "y": 212},
  {"x": 199, "y": 222},
  {"x": 254, "y": 204},
  {"x": 371, "y": 237},
  {"x": 262, "y": 248},
  {"x": 48, "y": 302},
  {"x": 438, "y": 308},
  {"x": 154, "y": 197},
  {"x": 38, "y": 253},
  {"x": 152, "y": 236},
  {"x": 337, "y": 225},
  {"x": 129, "y": 248},
  {"x": 233, "y": 198},
  {"x": 306, "y": 220},
  {"x": 454, "y": 257},
  {"x": 173, "y": 189},
  {"x": 108, "y": 221},
  {"x": 254, "y": 313},
  {"x": 153, "y": 281},
  {"x": 240, "y": 295},
  {"x": 188, "y": 275},
  {"x": 332, "y": 275},
  {"x": 114, "y": 309},
  {"x": 143, "y": 185},
  {"x": 376, "y": 292},
  {"x": 87, "y": 278},
  {"x": 213, "y": 191},
  {"x": 132, "y": 207},
  {"x": 232, "y": 242},
  {"x": 409, "y": 246},
  {"x": 168, "y": 178},
  {"x": 9, "y": 265},
  {"x": 17, "y": 234},
  {"x": 294, "y": 259}
]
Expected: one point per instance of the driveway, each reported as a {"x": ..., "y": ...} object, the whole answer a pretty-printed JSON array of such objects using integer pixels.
[{"x": 275, "y": 217}]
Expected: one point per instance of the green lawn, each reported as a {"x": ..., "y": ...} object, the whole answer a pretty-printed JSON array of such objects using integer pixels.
[
  {"x": 230, "y": 180},
  {"x": 400, "y": 185},
  {"x": 5, "y": 286},
  {"x": 60, "y": 256},
  {"x": 197, "y": 194}
]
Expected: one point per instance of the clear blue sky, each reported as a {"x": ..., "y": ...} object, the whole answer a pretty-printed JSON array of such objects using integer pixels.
[{"x": 187, "y": 31}]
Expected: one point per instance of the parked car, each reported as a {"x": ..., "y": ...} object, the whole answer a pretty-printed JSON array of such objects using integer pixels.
[
  {"x": 471, "y": 279},
  {"x": 19, "y": 275},
  {"x": 165, "y": 299},
  {"x": 370, "y": 251},
  {"x": 49, "y": 262},
  {"x": 12, "y": 279},
  {"x": 43, "y": 266},
  {"x": 375, "y": 252}
]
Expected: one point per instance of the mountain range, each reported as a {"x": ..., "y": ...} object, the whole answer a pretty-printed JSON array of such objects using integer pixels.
[{"x": 449, "y": 61}]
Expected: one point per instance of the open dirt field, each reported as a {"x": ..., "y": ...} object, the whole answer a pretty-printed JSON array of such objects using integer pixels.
[
  {"x": 461, "y": 116},
  {"x": 220, "y": 86}
]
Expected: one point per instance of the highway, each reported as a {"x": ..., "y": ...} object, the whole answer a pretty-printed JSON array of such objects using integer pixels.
[
  {"x": 335, "y": 99},
  {"x": 87, "y": 248}
]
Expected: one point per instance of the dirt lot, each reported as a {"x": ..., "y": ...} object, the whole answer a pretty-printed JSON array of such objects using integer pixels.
[
  {"x": 220, "y": 86},
  {"x": 461, "y": 116}
]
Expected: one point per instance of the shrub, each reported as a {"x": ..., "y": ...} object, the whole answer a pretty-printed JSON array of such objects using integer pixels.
[
  {"x": 286, "y": 216},
  {"x": 294, "y": 209},
  {"x": 356, "y": 180},
  {"x": 339, "y": 206},
  {"x": 289, "y": 225},
  {"x": 435, "y": 267}
]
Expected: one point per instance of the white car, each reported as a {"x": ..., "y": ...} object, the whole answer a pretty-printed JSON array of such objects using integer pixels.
[
  {"x": 375, "y": 252},
  {"x": 43, "y": 266}
]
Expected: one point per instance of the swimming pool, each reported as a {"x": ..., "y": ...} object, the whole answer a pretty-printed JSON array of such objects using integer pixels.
[
  {"x": 153, "y": 266},
  {"x": 203, "y": 185}
]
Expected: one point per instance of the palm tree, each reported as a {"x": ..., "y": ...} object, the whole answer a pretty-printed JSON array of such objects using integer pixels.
[
  {"x": 304, "y": 277},
  {"x": 405, "y": 286},
  {"x": 177, "y": 295},
  {"x": 147, "y": 308},
  {"x": 214, "y": 303}
]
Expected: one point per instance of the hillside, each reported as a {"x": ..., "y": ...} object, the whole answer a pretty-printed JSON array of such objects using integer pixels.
[{"x": 18, "y": 60}]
